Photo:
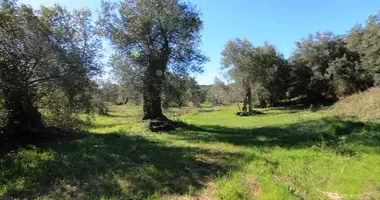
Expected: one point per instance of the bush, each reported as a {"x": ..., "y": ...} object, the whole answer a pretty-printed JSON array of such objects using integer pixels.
[{"x": 58, "y": 111}]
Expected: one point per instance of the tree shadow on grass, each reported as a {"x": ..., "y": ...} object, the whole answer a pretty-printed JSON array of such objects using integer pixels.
[
  {"x": 111, "y": 165},
  {"x": 113, "y": 125},
  {"x": 298, "y": 135}
]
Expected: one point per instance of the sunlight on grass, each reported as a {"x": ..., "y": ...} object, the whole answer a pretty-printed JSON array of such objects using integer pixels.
[{"x": 283, "y": 154}]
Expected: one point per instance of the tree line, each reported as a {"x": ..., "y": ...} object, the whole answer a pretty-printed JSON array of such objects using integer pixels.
[{"x": 322, "y": 67}]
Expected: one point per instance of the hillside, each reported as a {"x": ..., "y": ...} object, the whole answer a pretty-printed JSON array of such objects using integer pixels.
[{"x": 364, "y": 106}]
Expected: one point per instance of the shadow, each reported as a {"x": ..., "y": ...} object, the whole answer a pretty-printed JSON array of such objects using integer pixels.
[
  {"x": 113, "y": 125},
  {"x": 115, "y": 116},
  {"x": 124, "y": 116},
  {"x": 113, "y": 165},
  {"x": 205, "y": 111},
  {"x": 298, "y": 135},
  {"x": 304, "y": 103},
  {"x": 132, "y": 167}
]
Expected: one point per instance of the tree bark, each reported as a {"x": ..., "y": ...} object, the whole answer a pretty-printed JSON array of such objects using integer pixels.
[{"x": 152, "y": 90}]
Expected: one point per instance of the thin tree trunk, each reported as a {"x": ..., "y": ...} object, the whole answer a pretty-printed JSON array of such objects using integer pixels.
[
  {"x": 247, "y": 99},
  {"x": 245, "y": 104}
]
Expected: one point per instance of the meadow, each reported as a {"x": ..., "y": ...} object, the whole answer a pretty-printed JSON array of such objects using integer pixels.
[{"x": 283, "y": 154}]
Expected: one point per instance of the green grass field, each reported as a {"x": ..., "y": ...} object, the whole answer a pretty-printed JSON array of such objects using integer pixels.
[{"x": 284, "y": 154}]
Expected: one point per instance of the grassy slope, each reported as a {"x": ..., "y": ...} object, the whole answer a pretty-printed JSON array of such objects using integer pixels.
[
  {"x": 284, "y": 154},
  {"x": 364, "y": 105}
]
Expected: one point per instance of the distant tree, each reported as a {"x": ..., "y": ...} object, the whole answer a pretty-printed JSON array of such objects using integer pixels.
[
  {"x": 179, "y": 91},
  {"x": 194, "y": 92},
  {"x": 366, "y": 41},
  {"x": 41, "y": 53},
  {"x": 221, "y": 93},
  {"x": 100, "y": 102},
  {"x": 237, "y": 57},
  {"x": 259, "y": 69},
  {"x": 174, "y": 91},
  {"x": 157, "y": 37},
  {"x": 129, "y": 77},
  {"x": 269, "y": 75}
]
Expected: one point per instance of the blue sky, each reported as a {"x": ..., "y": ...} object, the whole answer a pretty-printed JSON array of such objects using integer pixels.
[{"x": 280, "y": 22}]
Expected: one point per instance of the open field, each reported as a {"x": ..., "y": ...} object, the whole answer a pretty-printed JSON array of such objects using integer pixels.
[{"x": 284, "y": 154}]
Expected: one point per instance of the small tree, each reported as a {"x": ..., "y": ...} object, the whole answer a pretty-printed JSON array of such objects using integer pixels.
[{"x": 156, "y": 36}]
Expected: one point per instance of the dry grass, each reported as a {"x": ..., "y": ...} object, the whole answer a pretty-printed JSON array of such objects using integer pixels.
[{"x": 364, "y": 106}]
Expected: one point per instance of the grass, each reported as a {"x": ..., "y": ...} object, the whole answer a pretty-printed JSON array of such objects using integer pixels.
[
  {"x": 364, "y": 105},
  {"x": 284, "y": 154}
]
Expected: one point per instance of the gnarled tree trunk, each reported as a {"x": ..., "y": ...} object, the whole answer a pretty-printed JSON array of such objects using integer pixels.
[{"x": 152, "y": 91}]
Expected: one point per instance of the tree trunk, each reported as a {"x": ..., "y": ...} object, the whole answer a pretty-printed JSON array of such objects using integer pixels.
[
  {"x": 247, "y": 99},
  {"x": 152, "y": 91},
  {"x": 24, "y": 120},
  {"x": 152, "y": 105}
]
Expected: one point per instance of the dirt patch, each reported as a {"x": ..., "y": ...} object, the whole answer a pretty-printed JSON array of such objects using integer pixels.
[
  {"x": 206, "y": 159},
  {"x": 254, "y": 187},
  {"x": 124, "y": 185},
  {"x": 370, "y": 195},
  {"x": 67, "y": 190},
  {"x": 288, "y": 181},
  {"x": 208, "y": 193},
  {"x": 333, "y": 196},
  {"x": 285, "y": 180}
]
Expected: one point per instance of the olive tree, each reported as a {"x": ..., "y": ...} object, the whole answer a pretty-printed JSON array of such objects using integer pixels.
[
  {"x": 42, "y": 52},
  {"x": 261, "y": 69},
  {"x": 157, "y": 37},
  {"x": 237, "y": 58}
]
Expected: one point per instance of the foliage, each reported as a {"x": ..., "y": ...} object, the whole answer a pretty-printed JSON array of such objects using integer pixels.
[
  {"x": 270, "y": 74},
  {"x": 129, "y": 77},
  {"x": 42, "y": 52},
  {"x": 261, "y": 69},
  {"x": 59, "y": 111},
  {"x": 179, "y": 91},
  {"x": 165, "y": 35},
  {"x": 324, "y": 68},
  {"x": 366, "y": 41},
  {"x": 222, "y": 94}
]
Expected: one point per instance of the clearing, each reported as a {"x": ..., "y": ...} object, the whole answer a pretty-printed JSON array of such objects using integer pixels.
[{"x": 284, "y": 154}]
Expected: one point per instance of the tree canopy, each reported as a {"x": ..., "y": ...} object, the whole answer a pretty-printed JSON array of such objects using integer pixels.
[
  {"x": 164, "y": 33},
  {"x": 44, "y": 53}
]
